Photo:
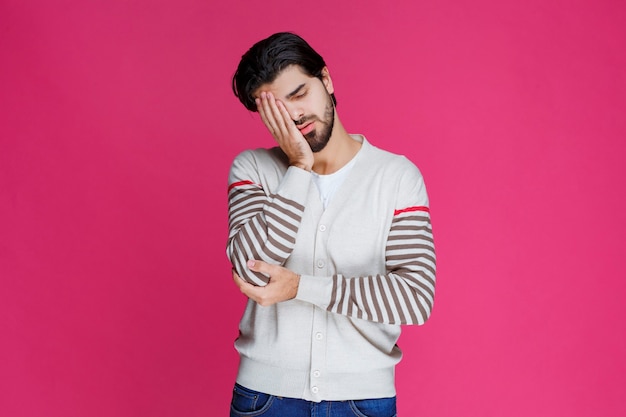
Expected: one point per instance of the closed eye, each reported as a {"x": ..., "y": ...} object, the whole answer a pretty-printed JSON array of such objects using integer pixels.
[{"x": 299, "y": 92}]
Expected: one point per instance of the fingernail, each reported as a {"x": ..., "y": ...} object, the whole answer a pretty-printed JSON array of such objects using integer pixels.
[{"x": 250, "y": 263}]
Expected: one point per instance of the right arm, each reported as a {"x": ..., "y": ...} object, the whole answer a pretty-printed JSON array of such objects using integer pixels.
[{"x": 261, "y": 225}]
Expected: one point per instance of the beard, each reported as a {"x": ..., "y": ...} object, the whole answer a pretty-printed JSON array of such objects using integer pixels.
[{"x": 319, "y": 139}]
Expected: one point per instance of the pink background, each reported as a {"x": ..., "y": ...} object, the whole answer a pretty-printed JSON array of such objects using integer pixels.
[{"x": 117, "y": 128}]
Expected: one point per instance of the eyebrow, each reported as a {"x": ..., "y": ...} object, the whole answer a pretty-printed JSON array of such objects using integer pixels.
[{"x": 295, "y": 92}]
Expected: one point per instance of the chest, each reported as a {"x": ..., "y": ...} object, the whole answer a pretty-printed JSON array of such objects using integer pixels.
[{"x": 347, "y": 237}]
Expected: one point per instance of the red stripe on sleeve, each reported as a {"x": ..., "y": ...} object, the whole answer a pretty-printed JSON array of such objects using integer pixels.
[
  {"x": 414, "y": 208},
  {"x": 237, "y": 184}
]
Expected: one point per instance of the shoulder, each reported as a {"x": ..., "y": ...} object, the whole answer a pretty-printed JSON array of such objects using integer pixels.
[
  {"x": 261, "y": 166},
  {"x": 261, "y": 156},
  {"x": 388, "y": 162},
  {"x": 261, "y": 159},
  {"x": 398, "y": 173}
]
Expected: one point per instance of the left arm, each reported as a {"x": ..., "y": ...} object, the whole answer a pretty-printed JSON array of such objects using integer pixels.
[{"x": 405, "y": 294}]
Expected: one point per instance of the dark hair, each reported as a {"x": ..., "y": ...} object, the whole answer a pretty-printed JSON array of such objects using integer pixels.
[{"x": 267, "y": 58}]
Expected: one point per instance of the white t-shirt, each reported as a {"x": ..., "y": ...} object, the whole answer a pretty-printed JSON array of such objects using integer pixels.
[{"x": 329, "y": 184}]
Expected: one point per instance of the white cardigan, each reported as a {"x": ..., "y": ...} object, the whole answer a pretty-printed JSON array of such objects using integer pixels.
[{"x": 367, "y": 265}]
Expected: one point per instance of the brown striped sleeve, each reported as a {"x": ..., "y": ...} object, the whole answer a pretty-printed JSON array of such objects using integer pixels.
[
  {"x": 405, "y": 294},
  {"x": 260, "y": 227}
]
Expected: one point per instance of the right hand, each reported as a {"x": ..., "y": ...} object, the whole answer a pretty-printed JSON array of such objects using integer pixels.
[{"x": 278, "y": 121}]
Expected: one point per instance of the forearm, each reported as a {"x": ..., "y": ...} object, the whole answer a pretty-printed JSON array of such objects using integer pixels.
[
  {"x": 403, "y": 295},
  {"x": 264, "y": 227}
]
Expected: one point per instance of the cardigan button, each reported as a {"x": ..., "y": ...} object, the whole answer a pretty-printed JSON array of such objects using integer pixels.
[
  {"x": 322, "y": 227},
  {"x": 320, "y": 264}
]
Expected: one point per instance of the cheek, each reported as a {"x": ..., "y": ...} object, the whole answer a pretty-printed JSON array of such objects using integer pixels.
[{"x": 321, "y": 107}]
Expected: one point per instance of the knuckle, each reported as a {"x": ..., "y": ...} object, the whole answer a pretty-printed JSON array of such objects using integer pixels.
[{"x": 264, "y": 301}]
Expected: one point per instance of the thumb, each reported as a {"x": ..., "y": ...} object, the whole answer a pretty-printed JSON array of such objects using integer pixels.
[{"x": 258, "y": 266}]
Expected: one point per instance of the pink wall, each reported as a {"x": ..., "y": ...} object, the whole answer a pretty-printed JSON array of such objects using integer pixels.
[{"x": 117, "y": 128}]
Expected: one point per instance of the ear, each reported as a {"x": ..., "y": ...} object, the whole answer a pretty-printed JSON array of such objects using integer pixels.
[{"x": 328, "y": 82}]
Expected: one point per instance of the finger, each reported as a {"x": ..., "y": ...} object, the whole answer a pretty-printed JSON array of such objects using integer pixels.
[
  {"x": 242, "y": 284},
  {"x": 282, "y": 122},
  {"x": 236, "y": 277},
  {"x": 238, "y": 280},
  {"x": 260, "y": 266},
  {"x": 252, "y": 292},
  {"x": 289, "y": 123},
  {"x": 261, "y": 109},
  {"x": 273, "y": 123},
  {"x": 269, "y": 120}
]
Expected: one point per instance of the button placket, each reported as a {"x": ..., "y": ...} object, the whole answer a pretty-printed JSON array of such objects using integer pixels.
[
  {"x": 321, "y": 249},
  {"x": 318, "y": 353},
  {"x": 318, "y": 343}
]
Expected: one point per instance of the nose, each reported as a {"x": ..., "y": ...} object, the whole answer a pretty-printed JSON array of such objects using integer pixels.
[{"x": 295, "y": 112}]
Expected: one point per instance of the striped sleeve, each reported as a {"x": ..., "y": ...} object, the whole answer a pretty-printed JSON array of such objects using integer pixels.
[
  {"x": 264, "y": 226},
  {"x": 405, "y": 294}
]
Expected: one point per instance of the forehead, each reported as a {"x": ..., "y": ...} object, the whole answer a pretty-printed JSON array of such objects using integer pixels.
[{"x": 288, "y": 80}]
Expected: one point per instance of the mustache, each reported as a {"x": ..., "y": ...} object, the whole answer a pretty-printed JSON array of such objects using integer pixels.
[{"x": 303, "y": 120}]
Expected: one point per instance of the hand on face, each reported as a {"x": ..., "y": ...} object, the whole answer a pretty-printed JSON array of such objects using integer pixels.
[{"x": 278, "y": 121}]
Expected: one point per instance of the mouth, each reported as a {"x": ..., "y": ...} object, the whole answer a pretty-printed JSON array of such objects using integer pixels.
[{"x": 306, "y": 128}]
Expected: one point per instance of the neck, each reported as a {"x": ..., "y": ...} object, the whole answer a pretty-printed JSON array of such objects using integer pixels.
[{"x": 340, "y": 149}]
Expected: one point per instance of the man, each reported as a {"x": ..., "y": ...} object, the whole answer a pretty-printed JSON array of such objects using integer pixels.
[{"x": 329, "y": 238}]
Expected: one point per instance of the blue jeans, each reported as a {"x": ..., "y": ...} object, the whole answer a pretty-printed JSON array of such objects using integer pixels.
[{"x": 250, "y": 403}]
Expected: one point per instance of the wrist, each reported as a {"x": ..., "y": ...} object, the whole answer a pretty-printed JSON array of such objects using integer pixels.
[
  {"x": 296, "y": 285},
  {"x": 301, "y": 166}
]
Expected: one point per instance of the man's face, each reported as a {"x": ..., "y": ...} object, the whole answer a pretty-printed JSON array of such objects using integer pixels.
[{"x": 308, "y": 102}]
